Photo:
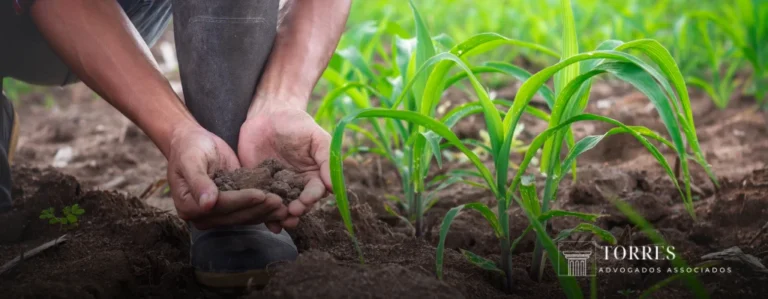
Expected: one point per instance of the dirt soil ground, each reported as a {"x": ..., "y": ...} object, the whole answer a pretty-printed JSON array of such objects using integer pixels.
[
  {"x": 268, "y": 176},
  {"x": 130, "y": 244}
]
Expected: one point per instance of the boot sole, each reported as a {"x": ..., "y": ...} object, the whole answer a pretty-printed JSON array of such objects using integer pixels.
[
  {"x": 14, "y": 137},
  {"x": 249, "y": 279}
]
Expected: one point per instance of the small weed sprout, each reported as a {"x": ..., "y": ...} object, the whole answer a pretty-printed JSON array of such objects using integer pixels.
[{"x": 70, "y": 216}]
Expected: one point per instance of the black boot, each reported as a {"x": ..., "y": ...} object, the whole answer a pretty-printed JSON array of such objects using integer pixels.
[
  {"x": 222, "y": 48},
  {"x": 9, "y": 131}
]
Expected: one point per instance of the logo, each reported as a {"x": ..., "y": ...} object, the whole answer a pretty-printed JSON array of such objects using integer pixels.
[
  {"x": 580, "y": 259},
  {"x": 588, "y": 259}
]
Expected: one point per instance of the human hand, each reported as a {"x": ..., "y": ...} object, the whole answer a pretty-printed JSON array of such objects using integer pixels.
[
  {"x": 290, "y": 136},
  {"x": 195, "y": 155}
]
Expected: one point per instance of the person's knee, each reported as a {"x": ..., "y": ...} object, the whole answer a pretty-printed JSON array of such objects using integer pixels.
[{"x": 150, "y": 18}]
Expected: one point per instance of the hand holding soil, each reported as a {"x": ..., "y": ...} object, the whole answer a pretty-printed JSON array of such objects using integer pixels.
[
  {"x": 270, "y": 176},
  {"x": 290, "y": 137},
  {"x": 271, "y": 182},
  {"x": 195, "y": 153}
]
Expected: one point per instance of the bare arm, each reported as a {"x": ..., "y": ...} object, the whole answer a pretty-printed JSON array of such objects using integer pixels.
[
  {"x": 100, "y": 45},
  {"x": 306, "y": 38}
]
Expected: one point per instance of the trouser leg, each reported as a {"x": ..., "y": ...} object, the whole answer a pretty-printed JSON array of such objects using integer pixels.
[
  {"x": 7, "y": 138},
  {"x": 222, "y": 48},
  {"x": 25, "y": 55}
]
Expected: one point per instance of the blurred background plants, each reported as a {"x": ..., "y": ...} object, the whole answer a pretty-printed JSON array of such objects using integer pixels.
[{"x": 720, "y": 46}]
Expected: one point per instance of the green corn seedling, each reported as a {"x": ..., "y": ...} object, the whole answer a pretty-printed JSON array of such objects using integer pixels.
[
  {"x": 390, "y": 139},
  {"x": 736, "y": 34},
  {"x": 432, "y": 130},
  {"x": 572, "y": 91},
  {"x": 407, "y": 145},
  {"x": 426, "y": 74},
  {"x": 731, "y": 35},
  {"x": 647, "y": 229}
]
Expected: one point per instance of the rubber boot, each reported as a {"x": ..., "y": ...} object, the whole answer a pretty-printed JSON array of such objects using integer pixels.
[{"x": 9, "y": 132}]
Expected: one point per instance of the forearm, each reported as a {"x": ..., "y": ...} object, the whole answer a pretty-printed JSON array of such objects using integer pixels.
[
  {"x": 101, "y": 46},
  {"x": 306, "y": 39}
]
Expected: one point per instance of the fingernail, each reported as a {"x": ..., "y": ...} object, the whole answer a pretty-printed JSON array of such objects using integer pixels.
[{"x": 205, "y": 199}]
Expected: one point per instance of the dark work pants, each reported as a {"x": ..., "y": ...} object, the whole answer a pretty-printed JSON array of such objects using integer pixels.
[
  {"x": 6, "y": 122},
  {"x": 222, "y": 47}
]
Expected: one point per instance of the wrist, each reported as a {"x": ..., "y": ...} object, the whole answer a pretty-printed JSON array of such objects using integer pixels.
[
  {"x": 265, "y": 103},
  {"x": 164, "y": 136}
]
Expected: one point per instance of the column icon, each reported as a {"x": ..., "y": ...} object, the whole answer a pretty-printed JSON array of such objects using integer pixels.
[{"x": 577, "y": 262}]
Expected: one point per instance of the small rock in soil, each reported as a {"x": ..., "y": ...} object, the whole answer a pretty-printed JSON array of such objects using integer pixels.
[{"x": 269, "y": 176}]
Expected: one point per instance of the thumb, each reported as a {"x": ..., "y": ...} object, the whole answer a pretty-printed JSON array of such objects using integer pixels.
[
  {"x": 227, "y": 158},
  {"x": 200, "y": 183},
  {"x": 322, "y": 155}
]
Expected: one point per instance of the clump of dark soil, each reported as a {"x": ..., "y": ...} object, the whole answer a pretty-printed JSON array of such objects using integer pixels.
[
  {"x": 270, "y": 176},
  {"x": 121, "y": 248}
]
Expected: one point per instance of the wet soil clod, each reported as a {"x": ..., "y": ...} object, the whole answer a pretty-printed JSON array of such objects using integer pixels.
[{"x": 270, "y": 176}]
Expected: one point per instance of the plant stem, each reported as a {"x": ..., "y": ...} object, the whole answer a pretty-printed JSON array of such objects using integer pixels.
[
  {"x": 537, "y": 264},
  {"x": 506, "y": 253},
  {"x": 419, "y": 215},
  {"x": 413, "y": 211}
]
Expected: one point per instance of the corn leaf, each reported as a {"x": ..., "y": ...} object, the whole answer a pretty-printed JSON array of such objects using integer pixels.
[
  {"x": 666, "y": 63},
  {"x": 424, "y": 50},
  {"x": 589, "y": 142},
  {"x": 587, "y": 227},
  {"x": 508, "y": 69},
  {"x": 561, "y": 213},
  {"x": 538, "y": 142},
  {"x": 481, "y": 262},
  {"x": 520, "y": 238},
  {"x": 392, "y": 212},
  {"x": 353, "y": 56},
  {"x": 329, "y": 100},
  {"x": 661, "y": 284},
  {"x": 446, "y": 226},
  {"x": 433, "y": 141},
  {"x": 529, "y": 196},
  {"x": 484, "y": 42},
  {"x": 563, "y": 77},
  {"x": 619, "y": 69},
  {"x": 447, "y": 220},
  {"x": 336, "y": 79},
  {"x": 569, "y": 284},
  {"x": 647, "y": 229},
  {"x": 337, "y": 176}
]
